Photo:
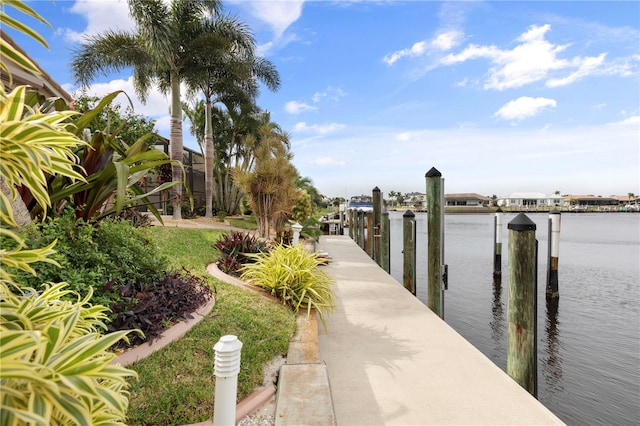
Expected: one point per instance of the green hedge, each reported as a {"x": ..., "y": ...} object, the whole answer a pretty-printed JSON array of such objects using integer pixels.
[{"x": 92, "y": 255}]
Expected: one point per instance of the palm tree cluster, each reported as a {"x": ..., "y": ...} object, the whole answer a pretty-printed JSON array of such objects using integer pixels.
[{"x": 192, "y": 42}]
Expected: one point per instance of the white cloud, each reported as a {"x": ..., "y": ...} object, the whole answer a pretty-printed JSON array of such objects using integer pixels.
[
  {"x": 524, "y": 107},
  {"x": 333, "y": 93},
  {"x": 586, "y": 66},
  {"x": 404, "y": 136},
  {"x": 527, "y": 62},
  {"x": 101, "y": 16},
  {"x": 264, "y": 49},
  {"x": 445, "y": 40},
  {"x": 630, "y": 121},
  {"x": 416, "y": 50},
  {"x": 295, "y": 107},
  {"x": 321, "y": 129},
  {"x": 532, "y": 60},
  {"x": 279, "y": 15}
]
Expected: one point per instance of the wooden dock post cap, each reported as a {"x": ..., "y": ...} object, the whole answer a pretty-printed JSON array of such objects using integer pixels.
[
  {"x": 433, "y": 172},
  {"x": 522, "y": 223},
  {"x": 408, "y": 213},
  {"x": 376, "y": 189}
]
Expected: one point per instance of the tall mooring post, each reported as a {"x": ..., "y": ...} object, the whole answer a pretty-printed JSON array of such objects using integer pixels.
[
  {"x": 435, "y": 242},
  {"x": 385, "y": 241},
  {"x": 522, "y": 305},
  {"x": 377, "y": 210},
  {"x": 409, "y": 251},
  {"x": 497, "y": 245},
  {"x": 351, "y": 225},
  {"x": 554, "y": 249},
  {"x": 370, "y": 237},
  {"x": 360, "y": 231}
]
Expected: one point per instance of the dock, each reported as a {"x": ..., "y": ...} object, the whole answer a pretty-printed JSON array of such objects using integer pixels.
[{"x": 386, "y": 359}]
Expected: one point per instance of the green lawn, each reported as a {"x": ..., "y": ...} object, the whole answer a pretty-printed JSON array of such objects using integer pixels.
[
  {"x": 176, "y": 385},
  {"x": 244, "y": 222}
]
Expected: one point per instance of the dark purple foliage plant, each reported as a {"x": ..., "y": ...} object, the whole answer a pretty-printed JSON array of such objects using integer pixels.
[
  {"x": 234, "y": 248},
  {"x": 152, "y": 308}
]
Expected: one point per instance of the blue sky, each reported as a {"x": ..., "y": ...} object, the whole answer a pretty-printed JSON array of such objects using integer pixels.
[{"x": 499, "y": 96}]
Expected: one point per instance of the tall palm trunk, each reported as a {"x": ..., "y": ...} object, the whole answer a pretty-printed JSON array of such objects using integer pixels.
[
  {"x": 208, "y": 159},
  {"x": 175, "y": 142}
]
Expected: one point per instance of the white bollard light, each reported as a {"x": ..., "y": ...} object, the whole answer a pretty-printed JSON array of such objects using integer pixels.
[
  {"x": 296, "y": 227},
  {"x": 226, "y": 367}
]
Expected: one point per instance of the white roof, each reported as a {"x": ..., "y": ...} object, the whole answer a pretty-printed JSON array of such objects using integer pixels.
[{"x": 530, "y": 195}]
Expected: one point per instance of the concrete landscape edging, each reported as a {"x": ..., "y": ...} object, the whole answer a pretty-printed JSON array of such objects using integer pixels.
[{"x": 169, "y": 335}]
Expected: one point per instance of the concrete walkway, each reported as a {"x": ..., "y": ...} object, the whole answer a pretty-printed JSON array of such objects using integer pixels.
[{"x": 390, "y": 360}]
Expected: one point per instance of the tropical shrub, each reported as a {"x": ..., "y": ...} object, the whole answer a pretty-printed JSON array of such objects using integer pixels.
[
  {"x": 90, "y": 256},
  {"x": 124, "y": 124},
  {"x": 292, "y": 274},
  {"x": 301, "y": 207},
  {"x": 234, "y": 251},
  {"x": 55, "y": 366},
  {"x": 311, "y": 228}
]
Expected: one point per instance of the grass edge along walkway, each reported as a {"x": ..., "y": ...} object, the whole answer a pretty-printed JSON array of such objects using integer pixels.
[{"x": 176, "y": 385}]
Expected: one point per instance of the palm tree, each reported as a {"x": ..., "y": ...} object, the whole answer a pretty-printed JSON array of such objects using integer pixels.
[
  {"x": 392, "y": 196},
  {"x": 229, "y": 73},
  {"x": 158, "y": 51},
  {"x": 230, "y": 124}
]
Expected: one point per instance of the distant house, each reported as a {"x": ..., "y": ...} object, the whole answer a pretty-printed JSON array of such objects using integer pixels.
[
  {"x": 361, "y": 199},
  {"x": 466, "y": 199},
  {"x": 530, "y": 200},
  {"x": 416, "y": 200},
  {"x": 625, "y": 199},
  {"x": 590, "y": 200},
  {"x": 43, "y": 84}
]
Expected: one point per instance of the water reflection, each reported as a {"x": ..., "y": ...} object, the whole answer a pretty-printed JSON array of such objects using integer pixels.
[
  {"x": 497, "y": 310},
  {"x": 552, "y": 365}
]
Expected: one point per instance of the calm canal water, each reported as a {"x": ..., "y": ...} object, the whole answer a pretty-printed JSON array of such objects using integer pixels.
[{"x": 589, "y": 347}]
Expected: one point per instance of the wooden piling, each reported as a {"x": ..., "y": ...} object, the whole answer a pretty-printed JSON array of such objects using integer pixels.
[
  {"x": 435, "y": 216},
  {"x": 350, "y": 222},
  {"x": 553, "y": 251},
  {"x": 369, "y": 237},
  {"x": 522, "y": 303},
  {"x": 497, "y": 246},
  {"x": 361, "y": 229},
  {"x": 409, "y": 251},
  {"x": 377, "y": 210},
  {"x": 385, "y": 241}
]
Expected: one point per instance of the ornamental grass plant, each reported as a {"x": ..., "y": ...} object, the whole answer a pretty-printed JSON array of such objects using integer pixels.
[{"x": 293, "y": 275}]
